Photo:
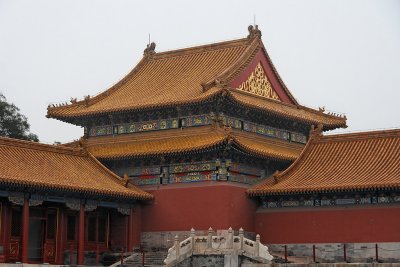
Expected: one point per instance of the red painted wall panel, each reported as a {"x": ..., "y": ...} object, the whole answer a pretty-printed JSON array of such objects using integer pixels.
[
  {"x": 329, "y": 225},
  {"x": 220, "y": 206},
  {"x": 137, "y": 225},
  {"x": 118, "y": 231}
]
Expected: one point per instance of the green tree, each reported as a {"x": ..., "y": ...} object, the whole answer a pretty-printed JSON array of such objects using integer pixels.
[{"x": 12, "y": 123}]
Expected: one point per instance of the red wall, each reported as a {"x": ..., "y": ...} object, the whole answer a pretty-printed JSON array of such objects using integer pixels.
[
  {"x": 118, "y": 230},
  {"x": 137, "y": 225},
  {"x": 329, "y": 225},
  {"x": 216, "y": 204}
]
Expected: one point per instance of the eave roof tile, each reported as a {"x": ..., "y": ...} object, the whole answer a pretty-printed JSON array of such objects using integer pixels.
[
  {"x": 343, "y": 162},
  {"x": 60, "y": 168},
  {"x": 189, "y": 140}
]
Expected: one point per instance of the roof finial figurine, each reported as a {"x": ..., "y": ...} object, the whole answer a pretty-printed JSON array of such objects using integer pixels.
[
  {"x": 316, "y": 131},
  {"x": 253, "y": 32},
  {"x": 150, "y": 49},
  {"x": 87, "y": 99},
  {"x": 276, "y": 176}
]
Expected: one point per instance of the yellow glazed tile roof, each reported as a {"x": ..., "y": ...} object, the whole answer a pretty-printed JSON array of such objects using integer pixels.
[
  {"x": 298, "y": 112},
  {"x": 189, "y": 140},
  {"x": 189, "y": 76},
  {"x": 167, "y": 78},
  {"x": 52, "y": 167},
  {"x": 360, "y": 161}
]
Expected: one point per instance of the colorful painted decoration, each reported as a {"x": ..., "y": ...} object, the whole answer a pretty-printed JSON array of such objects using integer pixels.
[
  {"x": 196, "y": 172},
  {"x": 243, "y": 178},
  {"x": 147, "y": 180},
  {"x": 149, "y": 170},
  {"x": 178, "y": 168},
  {"x": 197, "y": 120},
  {"x": 258, "y": 84},
  {"x": 192, "y": 177},
  {"x": 330, "y": 200}
]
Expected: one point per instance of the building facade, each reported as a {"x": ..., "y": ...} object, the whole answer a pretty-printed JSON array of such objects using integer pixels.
[
  {"x": 57, "y": 204},
  {"x": 196, "y": 128},
  {"x": 201, "y": 137}
]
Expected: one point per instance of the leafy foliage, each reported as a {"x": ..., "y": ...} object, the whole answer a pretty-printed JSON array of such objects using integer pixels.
[{"x": 12, "y": 123}]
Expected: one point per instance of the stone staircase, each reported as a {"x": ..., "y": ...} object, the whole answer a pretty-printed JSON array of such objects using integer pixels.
[{"x": 151, "y": 259}]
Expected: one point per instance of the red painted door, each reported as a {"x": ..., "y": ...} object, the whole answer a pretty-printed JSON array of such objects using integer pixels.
[{"x": 50, "y": 243}]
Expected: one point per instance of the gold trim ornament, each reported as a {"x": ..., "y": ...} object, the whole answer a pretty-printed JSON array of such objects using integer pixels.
[{"x": 257, "y": 83}]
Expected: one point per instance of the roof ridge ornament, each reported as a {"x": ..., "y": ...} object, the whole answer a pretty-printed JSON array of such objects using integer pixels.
[
  {"x": 254, "y": 32},
  {"x": 87, "y": 100},
  {"x": 150, "y": 49},
  {"x": 276, "y": 176},
  {"x": 316, "y": 131}
]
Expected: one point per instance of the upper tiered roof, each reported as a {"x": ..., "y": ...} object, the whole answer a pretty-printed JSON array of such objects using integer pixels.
[
  {"x": 193, "y": 75},
  {"x": 62, "y": 169},
  {"x": 343, "y": 162}
]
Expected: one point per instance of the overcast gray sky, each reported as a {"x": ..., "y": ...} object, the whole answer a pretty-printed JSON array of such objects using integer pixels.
[{"x": 341, "y": 54}]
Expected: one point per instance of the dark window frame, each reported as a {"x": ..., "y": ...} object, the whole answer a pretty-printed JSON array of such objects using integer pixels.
[{"x": 96, "y": 222}]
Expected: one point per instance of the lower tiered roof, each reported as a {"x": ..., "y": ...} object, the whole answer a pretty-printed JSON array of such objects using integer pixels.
[
  {"x": 190, "y": 140},
  {"x": 62, "y": 169},
  {"x": 343, "y": 162}
]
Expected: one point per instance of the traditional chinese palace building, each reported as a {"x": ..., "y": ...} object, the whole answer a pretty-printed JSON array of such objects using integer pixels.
[
  {"x": 199, "y": 137},
  {"x": 55, "y": 199}
]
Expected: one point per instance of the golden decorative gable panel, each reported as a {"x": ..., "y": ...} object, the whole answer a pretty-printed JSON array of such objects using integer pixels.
[{"x": 258, "y": 84}]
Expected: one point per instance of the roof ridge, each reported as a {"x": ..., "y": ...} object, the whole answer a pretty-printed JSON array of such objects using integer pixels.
[
  {"x": 231, "y": 71},
  {"x": 343, "y": 137},
  {"x": 287, "y": 91},
  {"x": 118, "y": 179},
  {"x": 291, "y": 167},
  {"x": 199, "y": 48},
  {"x": 7, "y": 141}
]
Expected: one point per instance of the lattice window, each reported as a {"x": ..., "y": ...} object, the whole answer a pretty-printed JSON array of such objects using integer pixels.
[
  {"x": 102, "y": 222},
  {"x": 71, "y": 226},
  {"x": 16, "y": 220},
  {"x": 51, "y": 226},
  {"x": 97, "y": 225},
  {"x": 92, "y": 229}
]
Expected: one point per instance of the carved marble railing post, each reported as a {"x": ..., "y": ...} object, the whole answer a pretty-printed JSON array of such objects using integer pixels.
[
  {"x": 257, "y": 246},
  {"x": 224, "y": 244},
  {"x": 177, "y": 246},
  {"x": 241, "y": 237},
  {"x": 229, "y": 239},
  {"x": 209, "y": 238},
  {"x": 192, "y": 235}
]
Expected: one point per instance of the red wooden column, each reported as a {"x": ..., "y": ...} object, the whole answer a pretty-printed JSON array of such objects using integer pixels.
[
  {"x": 131, "y": 231},
  {"x": 81, "y": 236},
  {"x": 60, "y": 244},
  {"x": 25, "y": 230},
  {"x": 3, "y": 232}
]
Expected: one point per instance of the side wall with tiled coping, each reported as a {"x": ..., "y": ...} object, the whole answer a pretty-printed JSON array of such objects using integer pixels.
[
  {"x": 348, "y": 224},
  {"x": 388, "y": 252}
]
